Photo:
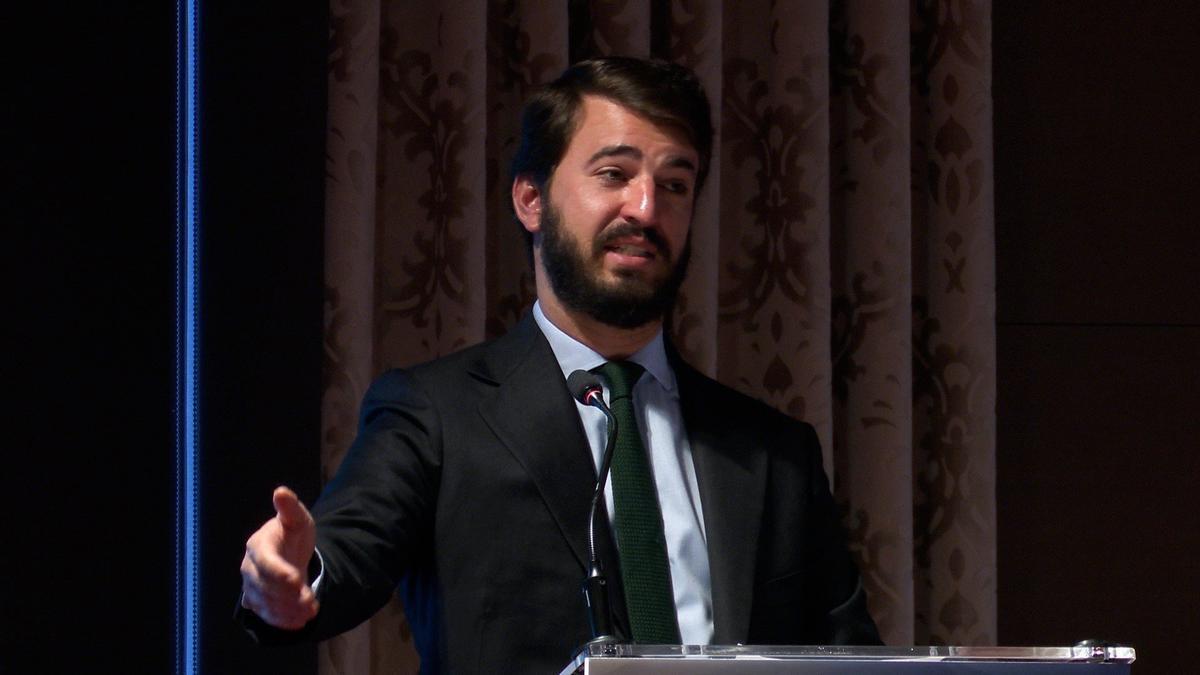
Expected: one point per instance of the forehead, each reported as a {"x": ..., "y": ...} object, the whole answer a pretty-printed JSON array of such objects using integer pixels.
[{"x": 604, "y": 123}]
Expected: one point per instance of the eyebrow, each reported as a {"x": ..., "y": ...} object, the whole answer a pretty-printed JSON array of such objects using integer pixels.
[{"x": 675, "y": 161}]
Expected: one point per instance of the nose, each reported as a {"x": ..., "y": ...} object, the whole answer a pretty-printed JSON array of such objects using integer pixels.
[{"x": 641, "y": 201}]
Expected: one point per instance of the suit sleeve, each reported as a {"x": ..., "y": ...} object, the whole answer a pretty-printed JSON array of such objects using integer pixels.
[
  {"x": 375, "y": 518},
  {"x": 840, "y": 611}
]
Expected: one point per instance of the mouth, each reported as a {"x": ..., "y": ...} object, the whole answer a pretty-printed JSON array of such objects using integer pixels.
[
  {"x": 640, "y": 250},
  {"x": 627, "y": 244},
  {"x": 625, "y": 255}
]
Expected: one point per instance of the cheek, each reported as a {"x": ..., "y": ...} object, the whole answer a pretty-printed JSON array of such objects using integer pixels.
[
  {"x": 676, "y": 226},
  {"x": 589, "y": 215}
]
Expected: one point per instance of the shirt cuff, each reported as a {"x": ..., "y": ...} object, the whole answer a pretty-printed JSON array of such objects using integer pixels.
[{"x": 316, "y": 565}]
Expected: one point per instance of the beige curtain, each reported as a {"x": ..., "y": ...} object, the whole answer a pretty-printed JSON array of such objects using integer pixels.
[{"x": 843, "y": 267}]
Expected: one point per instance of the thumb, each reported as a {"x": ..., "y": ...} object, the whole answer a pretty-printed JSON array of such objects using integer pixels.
[{"x": 291, "y": 512}]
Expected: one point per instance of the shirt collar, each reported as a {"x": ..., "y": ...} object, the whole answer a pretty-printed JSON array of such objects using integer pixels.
[{"x": 573, "y": 355}]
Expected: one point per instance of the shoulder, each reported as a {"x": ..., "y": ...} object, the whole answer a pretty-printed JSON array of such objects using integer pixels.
[
  {"x": 744, "y": 431},
  {"x": 701, "y": 393},
  {"x": 456, "y": 375},
  {"x": 433, "y": 378},
  {"x": 732, "y": 431}
]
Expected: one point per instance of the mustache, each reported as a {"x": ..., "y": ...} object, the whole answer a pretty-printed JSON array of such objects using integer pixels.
[{"x": 624, "y": 230}]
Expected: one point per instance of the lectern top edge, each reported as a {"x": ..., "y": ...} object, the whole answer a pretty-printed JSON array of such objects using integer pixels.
[{"x": 931, "y": 653}]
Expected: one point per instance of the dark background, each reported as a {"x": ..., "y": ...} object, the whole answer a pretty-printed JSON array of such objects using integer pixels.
[
  {"x": 89, "y": 550},
  {"x": 1098, "y": 324}
]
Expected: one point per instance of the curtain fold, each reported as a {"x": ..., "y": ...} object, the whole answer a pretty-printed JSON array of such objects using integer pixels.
[
  {"x": 871, "y": 317},
  {"x": 842, "y": 271}
]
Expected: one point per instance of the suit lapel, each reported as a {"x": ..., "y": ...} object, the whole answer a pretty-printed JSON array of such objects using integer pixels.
[
  {"x": 533, "y": 415},
  {"x": 731, "y": 473}
]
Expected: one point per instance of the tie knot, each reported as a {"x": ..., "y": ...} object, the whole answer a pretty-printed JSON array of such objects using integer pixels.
[{"x": 621, "y": 375}]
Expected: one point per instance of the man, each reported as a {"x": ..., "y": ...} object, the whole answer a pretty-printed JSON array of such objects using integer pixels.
[{"x": 469, "y": 484}]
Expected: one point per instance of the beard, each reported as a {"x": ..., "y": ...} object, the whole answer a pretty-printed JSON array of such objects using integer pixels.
[{"x": 575, "y": 277}]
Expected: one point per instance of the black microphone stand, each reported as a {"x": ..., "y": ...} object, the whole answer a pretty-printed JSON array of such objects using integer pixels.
[{"x": 586, "y": 389}]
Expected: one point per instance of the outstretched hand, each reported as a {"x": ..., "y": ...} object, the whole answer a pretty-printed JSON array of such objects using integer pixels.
[{"x": 275, "y": 568}]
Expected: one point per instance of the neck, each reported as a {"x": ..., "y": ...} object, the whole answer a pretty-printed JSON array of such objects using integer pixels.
[{"x": 609, "y": 341}]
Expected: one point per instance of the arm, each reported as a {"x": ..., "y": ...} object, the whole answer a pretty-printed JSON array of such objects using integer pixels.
[
  {"x": 372, "y": 517},
  {"x": 842, "y": 608}
]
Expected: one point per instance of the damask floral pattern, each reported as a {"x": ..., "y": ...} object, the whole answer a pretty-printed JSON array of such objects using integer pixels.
[
  {"x": 770, "y": 136},
  {"x": 953, "y": 325},
  {"x": 350, "y": 227},
  {"x": 870, "y": 258},
  {"x": 842, "y": 267},
  {"x": 773, "y": 296},
  {"x": 423, "y": 112}
]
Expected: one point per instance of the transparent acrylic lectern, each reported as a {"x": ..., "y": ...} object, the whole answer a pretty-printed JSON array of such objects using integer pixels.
[{"x": 606, "y": 659}]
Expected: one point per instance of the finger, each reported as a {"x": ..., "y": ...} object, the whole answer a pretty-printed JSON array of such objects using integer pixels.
[
  {"x": 280, "y": 615},
  {"x": 276, "y": 614},
  {"x": 290, "y": 610},
  {"x": 291, "y": 512},
  {"x": 273, "y": 569},
  {"x": 267, "y": 588},
  {"x": 279, "y": 599},
  {"x": 284, "y": 596}
]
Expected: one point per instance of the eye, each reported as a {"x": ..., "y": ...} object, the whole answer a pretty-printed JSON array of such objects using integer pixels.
[
  {"x": 678, "y": 187},
  {"x": 611, "y": 174}
]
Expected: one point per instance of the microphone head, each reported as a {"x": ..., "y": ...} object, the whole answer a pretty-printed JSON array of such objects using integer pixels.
[{"x": 583, "y": 385}]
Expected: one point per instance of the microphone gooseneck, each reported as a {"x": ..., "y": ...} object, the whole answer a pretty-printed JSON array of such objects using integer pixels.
[{"x": 586, "y": 388}]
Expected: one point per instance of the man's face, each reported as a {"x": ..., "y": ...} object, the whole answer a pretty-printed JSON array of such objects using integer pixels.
[{"x": 615, "y": 222}]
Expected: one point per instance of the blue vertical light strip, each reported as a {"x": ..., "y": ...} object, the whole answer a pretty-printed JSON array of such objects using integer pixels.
[
  {"x": 180, "y": 233},
  {"x": 187, "y": 292}
]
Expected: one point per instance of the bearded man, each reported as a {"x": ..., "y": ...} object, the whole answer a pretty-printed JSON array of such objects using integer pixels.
[{"x": 469, "y": 485}]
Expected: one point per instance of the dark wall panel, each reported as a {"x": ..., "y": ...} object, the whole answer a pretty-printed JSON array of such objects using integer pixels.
[
  {"x": 1097, "y": 152},
  {"x": 262, "y": 188},
  {"x": 1098, "y": 324},
  {"x": 88, "y": 538},
  {"x": 1098, "y": 475},
  {"x": 88, "y": 559}
]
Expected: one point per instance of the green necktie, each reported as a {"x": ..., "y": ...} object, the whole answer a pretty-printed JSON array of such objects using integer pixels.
[{"x": 644, "y": 568}]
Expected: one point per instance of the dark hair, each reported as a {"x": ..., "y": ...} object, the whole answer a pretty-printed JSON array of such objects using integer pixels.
[{"x": 664, "y": 92}]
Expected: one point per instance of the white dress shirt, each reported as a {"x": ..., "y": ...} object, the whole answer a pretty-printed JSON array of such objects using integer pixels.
[{"x": 660, "y": 421}]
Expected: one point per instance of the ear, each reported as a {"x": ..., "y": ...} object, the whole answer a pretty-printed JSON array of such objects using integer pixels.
[{"x": 527, "y": 203}]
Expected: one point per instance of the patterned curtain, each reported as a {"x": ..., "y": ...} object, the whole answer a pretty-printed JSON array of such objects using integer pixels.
[{"x": 843, "y": 265}]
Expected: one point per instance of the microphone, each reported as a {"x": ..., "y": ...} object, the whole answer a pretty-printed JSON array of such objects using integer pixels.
[{"x": 586, "y": 389}]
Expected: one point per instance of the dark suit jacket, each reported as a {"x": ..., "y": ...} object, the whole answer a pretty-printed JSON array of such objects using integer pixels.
[{"x": 469, "y": 486}]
